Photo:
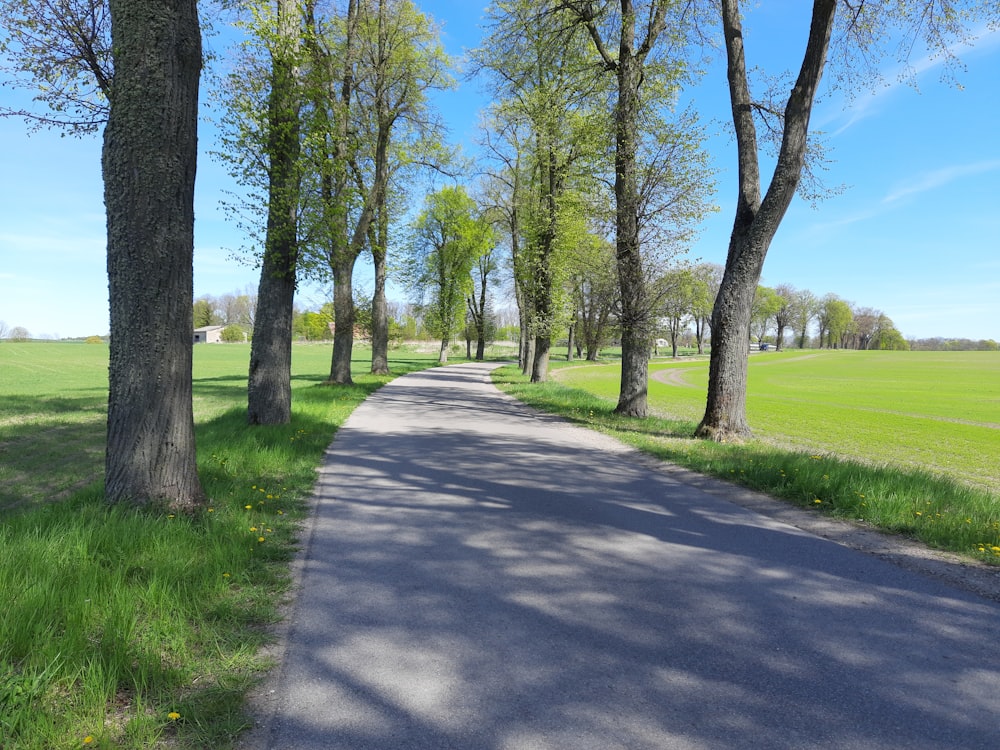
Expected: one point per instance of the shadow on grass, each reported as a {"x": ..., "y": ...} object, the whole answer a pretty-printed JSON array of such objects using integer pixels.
[{"x": 50, "y": 447}]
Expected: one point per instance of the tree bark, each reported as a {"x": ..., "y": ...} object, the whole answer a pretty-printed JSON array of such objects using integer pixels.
[
  {"x": 269, "y": 388},
  {"x": 540, "y": 362},
  {"x": 632, "y": 398},
  {"x": 380, "y": 310},
  {"x": 756, "y": 220},
  {"x": 343, "y": 317},
  {"x": 148, "y": 162}
]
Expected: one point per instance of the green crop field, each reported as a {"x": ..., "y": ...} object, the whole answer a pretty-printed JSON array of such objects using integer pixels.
[{"x": 936, "y": 411}]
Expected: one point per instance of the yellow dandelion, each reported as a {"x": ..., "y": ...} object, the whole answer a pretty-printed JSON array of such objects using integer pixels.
[
  {"x": 173, "y": 716},
  {"x": 817, "y": 501},
  {"x": 270, "y": 497},
  {"x": 253, "y": 528},
  {"x": 260, "y": 539},
  {"x": 248, "y": 507},
  {"x": 225, "y": 575},
  {"x": 88, "y": 740},
  {"x": 919, "y": 513},
  {"x": 211, "y": 510}
]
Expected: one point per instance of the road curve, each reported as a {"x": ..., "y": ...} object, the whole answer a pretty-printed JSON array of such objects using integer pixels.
[{"x": 478, "y": 576}]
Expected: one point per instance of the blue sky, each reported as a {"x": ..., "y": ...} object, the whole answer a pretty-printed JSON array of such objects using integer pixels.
[{"x": 916, "y": 234}]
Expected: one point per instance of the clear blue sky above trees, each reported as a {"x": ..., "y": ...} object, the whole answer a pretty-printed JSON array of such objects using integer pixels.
[{"x": 915, "y": 234}]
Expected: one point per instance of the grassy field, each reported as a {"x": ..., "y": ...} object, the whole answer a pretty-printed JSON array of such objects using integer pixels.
[
  {"x": 937, "y": 411},
  {"x": 126, "y": 628}
]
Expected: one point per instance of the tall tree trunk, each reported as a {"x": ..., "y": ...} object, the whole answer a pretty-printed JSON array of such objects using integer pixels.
[
  {"x": 632, "y": 399},
  {"x": 571, "y": 341},
  {"x": 481, "y": 321},
  {"x": 443, "y": 351},
  {"x": 756, "y": 220},
  {"x": 343, "y": 316},
  {"x": 148, "y": 162},
  {"x": 380, "y": 310},
  {"x": 269, "y": 388}
]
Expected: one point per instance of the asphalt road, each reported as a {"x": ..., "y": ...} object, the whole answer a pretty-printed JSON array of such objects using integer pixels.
[{"x": 478, "y": 576}]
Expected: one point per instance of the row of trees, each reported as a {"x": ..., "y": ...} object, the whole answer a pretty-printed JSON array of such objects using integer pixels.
[{"x": 326, "y": 112}]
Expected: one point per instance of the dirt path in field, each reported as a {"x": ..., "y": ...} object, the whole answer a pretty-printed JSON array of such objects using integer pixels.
[{"x": 672, "y": 377}]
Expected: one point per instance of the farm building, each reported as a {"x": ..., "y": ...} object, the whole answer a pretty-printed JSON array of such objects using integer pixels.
[{"x": 208, "y": 334}]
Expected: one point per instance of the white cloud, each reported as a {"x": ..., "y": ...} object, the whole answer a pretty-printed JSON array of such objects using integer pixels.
[
  {"x": 985, "y": 41},
  {"x": 938, "y": 178}
]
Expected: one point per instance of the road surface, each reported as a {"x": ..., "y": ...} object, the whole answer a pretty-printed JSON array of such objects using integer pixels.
[{"x": 479, "y": 576}]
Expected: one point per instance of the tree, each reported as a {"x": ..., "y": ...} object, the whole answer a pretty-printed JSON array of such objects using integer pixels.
[
  {"x": 803, "y": 310},
  {"x": 626, "y": 41},
  {"x": 203, "y": 311},
  {"x": 4, "y": 330},
  {"x": 62, "y": 52},
  {"x": 766, "y": 304},
  {"x": 149, "y": 156},
  {"x": 233, "y": 334},
  {"x": 18, "y": 333},
  {"x": 836, "y": 320},
  {"x": 133, "y": 67},
  {"x": 706, "y": 279},
  {"x": 595, "y": 291},
  {"x": 679, "y": 299},
  {"x": 547, "y": 114},
  {"x": 445, "y": 243},
  {"x": 785, "y": 313},
  {"x": 373, "y": 70},
  {"x": 478, "y": 301},
  {"x": 757, "y": 217},
  {"x": 269, "y": 386},
  {"x": 864, "y": 25}
]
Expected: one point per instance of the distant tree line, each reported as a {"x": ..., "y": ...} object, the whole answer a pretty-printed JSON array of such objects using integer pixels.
[{"x": 953, "y": 345}]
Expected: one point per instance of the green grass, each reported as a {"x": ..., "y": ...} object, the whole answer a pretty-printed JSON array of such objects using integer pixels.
[
  {"x": 116, "y": 619},
  {"x": 906, "y": 442},
  {"x": 936, "y": 411}
]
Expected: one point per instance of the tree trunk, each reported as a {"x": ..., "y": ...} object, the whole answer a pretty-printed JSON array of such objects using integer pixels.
[
  {"x": 756, "y": 220},
  {"x": 481, "y": 322},
  {"x": 570, "y": 342},
  {"x": 343, "y": 316},
  {"x": 529, "y": 355},
  {"x": 634, "y": 308},
  {"x": 269, "y": 388},
  {"x": 380, "y": 311},
  {"x": 540, "y": 362},
  {"x": 443, "y": 352},
  {"x": 148, "y": 162}
]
